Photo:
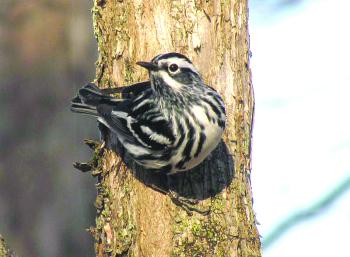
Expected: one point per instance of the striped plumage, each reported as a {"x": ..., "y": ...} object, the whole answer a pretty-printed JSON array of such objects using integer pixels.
[{"x": 169, "y": 123}]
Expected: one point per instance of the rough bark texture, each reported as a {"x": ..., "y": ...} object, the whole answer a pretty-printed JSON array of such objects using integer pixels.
[{"x": 133, "y": 219}]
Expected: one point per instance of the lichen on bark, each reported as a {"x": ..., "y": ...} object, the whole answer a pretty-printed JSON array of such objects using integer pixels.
[
  {"x": 4, "y": 250},
  {"x": 133, "y": 219}
]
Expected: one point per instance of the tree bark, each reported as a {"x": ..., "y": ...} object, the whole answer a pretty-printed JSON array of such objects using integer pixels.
[{"x": 135, "y": 220}]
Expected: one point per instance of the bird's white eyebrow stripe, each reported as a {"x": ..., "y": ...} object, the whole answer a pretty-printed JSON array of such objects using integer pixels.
[{"x": 182, "y": 63}]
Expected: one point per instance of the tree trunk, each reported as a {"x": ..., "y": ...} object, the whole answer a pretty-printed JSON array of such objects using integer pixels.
[{"x": 135, "y": 220}]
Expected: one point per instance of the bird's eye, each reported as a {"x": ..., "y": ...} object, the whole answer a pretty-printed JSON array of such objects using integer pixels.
[{"x": 173, "y": 68}]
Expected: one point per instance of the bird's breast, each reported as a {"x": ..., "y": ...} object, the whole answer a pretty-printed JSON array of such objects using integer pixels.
[{"x": 197, "y": 134}]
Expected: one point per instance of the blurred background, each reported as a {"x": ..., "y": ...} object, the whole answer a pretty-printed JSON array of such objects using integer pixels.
[
  {"x": 47, "y": 51},
  {"x": 301, "y": 138},
  {"x": 301, "y": 144}
]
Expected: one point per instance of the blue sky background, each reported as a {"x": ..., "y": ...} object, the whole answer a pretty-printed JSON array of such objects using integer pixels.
[{"x": 301, "y": 138}]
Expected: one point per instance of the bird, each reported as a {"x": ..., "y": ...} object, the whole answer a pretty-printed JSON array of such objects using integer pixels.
[{"x": 169, "y": 123}]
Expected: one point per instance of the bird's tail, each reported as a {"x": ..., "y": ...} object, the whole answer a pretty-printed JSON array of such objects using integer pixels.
[{"x": 87, "y": 100}]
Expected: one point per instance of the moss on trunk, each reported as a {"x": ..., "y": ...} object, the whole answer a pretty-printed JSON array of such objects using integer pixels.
[{"x": 4, "y": 250}]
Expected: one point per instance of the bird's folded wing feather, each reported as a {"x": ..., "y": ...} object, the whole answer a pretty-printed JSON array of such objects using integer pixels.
[{"x": 128, "y": 91}]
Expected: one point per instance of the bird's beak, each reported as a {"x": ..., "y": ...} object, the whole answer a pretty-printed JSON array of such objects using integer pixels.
[{"x": 148, "y": 65}]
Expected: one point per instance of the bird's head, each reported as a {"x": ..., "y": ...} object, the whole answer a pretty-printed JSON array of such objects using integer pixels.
[{"x": 172, "y": 71}]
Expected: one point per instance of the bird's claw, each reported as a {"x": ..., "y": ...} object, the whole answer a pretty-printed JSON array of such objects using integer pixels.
[
  {"x": 186, "y": 204},
  {"x": 92, "y": 164},
  {"x": 83, "y": 166},
  {"x": 92, "y": 144}
]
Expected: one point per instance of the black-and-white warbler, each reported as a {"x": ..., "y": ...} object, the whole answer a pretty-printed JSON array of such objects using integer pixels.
[{"x": 171, "y": 122}]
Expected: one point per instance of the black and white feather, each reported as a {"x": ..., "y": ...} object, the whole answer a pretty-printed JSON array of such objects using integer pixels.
[{"x": 170, "y": 123}]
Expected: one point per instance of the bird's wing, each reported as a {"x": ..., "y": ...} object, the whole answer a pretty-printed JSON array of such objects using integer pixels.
[
  {"x": 149, "y": 123},
  {"x": 116, "y": 117},
  {"x": 151, "y": 131},
  {"x": 128, "y": 91},
  {"x": 137, "y": 119},
  {"x": 93, "y": 101}
]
